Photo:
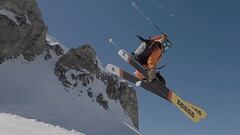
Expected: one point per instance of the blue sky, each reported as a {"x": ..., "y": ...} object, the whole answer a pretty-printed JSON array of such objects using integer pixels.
[{"x": 202, "y": 67}]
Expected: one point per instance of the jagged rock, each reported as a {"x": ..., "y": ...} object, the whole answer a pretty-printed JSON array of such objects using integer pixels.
[
  {"x": 112, "y": 88},
  {"x": 80, "y": 59},
  {"x": 23, "y": 21},
  {"x": 100, "y": 99},
  {"x": 57, "y": 49},
  {"x": 48, "y": 56},
  {"x": 90, "y": 94},
  {"x": 129, "y": 102},
  {"x": 53, "y": 49},
  {"x": 1, "y": 60},
  {"x": 82, "y": 66}
]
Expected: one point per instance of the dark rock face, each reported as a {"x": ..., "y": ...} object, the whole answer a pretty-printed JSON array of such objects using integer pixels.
[
  {"x": 80, "y": 66},
  {"x": 53, "y": 49},
  {"x": 22, "y": 30},
  {"x": 128, "y": 100},
  {"x": 80, "y": 60},
  {"x": 104, "y": 103}
]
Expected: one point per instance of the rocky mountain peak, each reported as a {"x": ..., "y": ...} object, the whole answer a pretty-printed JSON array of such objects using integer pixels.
[
  {"x": 22, "y": 20},
  {"x": 81, "y": 66}
]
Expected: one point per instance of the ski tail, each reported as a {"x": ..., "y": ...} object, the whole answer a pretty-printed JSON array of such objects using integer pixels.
[
  {"x": 199, "y": 110},
  {"x": 192, "y": 112},
  {"x": 185, "y": 108}
]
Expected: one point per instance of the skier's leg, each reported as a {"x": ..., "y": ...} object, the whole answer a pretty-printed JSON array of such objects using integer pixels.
[
  {"x": 160, "y": 77},
  {"x": 140, "y": 75}
]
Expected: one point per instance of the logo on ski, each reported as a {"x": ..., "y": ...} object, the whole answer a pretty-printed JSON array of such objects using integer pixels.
[{"x": 184, "y": 107}]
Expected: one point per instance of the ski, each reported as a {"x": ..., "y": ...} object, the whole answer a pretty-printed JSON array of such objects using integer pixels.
[
  {"x": 129, "y": 77},
  {"x": 169, "y": 94},
  {"x": 147, "y": 86}
]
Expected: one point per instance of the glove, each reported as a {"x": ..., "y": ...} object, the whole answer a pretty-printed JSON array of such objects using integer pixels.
[{"x": 151, "y": 74}]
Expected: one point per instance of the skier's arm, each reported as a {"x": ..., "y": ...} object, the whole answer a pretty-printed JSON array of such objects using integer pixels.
[{"x": 154, "y": 58}]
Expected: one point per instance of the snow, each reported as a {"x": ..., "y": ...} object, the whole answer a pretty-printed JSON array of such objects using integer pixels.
[
  {"x": 31, "y": 90},
  {"x": 10, "y": 15},
  {"x": 28, "y": 22},
  {"x": 52, "y": 41},
  {"x": 16, "y": 125},
  {"x": 133, "y": 128}
]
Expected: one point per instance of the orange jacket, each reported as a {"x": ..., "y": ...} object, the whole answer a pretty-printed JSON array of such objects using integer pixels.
[
  {"x": 154, "y": 58},
  {"x": 152, "y": 61}
]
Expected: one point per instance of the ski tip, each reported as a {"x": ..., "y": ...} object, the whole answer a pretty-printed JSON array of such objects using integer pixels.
[
  {"x": 113, "y": 69},
  {"x": 123, "y": 54},
  {"x": 109, "y": 67}
]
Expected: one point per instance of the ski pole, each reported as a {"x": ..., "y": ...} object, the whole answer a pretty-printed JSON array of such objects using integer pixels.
[
  {"x": 120, "y": 50},
  {"x": 110, "y": 40},
  {"x": 134, "y": 4},
  {"x": 116, "y": 45}
]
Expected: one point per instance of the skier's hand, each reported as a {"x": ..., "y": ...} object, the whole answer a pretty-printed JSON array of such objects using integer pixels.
[{"x": 151, "y": 74}]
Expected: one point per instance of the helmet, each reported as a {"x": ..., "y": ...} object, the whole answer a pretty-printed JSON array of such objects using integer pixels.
[{"x": 163, "y": 39}]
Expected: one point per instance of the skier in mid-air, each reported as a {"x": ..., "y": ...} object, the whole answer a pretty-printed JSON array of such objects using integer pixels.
[
  {"x": 148, "y": 54},
  {"x": 145, "y": 60}
]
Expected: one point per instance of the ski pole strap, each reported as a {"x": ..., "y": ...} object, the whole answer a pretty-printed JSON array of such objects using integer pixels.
[{"x": 161, "y": 67}]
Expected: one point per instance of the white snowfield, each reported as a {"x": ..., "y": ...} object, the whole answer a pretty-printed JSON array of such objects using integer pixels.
[
  {"x": 16, "y": 125},
  {"x": 53, "y": 41}
]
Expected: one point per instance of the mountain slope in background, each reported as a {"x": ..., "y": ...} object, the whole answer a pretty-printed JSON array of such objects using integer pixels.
[
  {"x": 81, "y": 102},
  {"x": 41, "y": 79}
]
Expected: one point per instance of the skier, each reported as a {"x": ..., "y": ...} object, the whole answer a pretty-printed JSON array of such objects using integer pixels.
[{"x": 148, "y": 54}]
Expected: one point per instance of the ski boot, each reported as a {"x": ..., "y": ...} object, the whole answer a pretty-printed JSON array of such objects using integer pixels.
[{"x": 158, "y": 75}]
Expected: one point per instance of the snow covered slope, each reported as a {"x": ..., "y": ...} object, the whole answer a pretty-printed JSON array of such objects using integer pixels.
[
  {"x": 32, "y": 90},
  {"x": 15, "y": 125}
]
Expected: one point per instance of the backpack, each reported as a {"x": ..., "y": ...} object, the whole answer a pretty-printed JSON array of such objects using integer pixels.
[{"x": 144, "y": 50}]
